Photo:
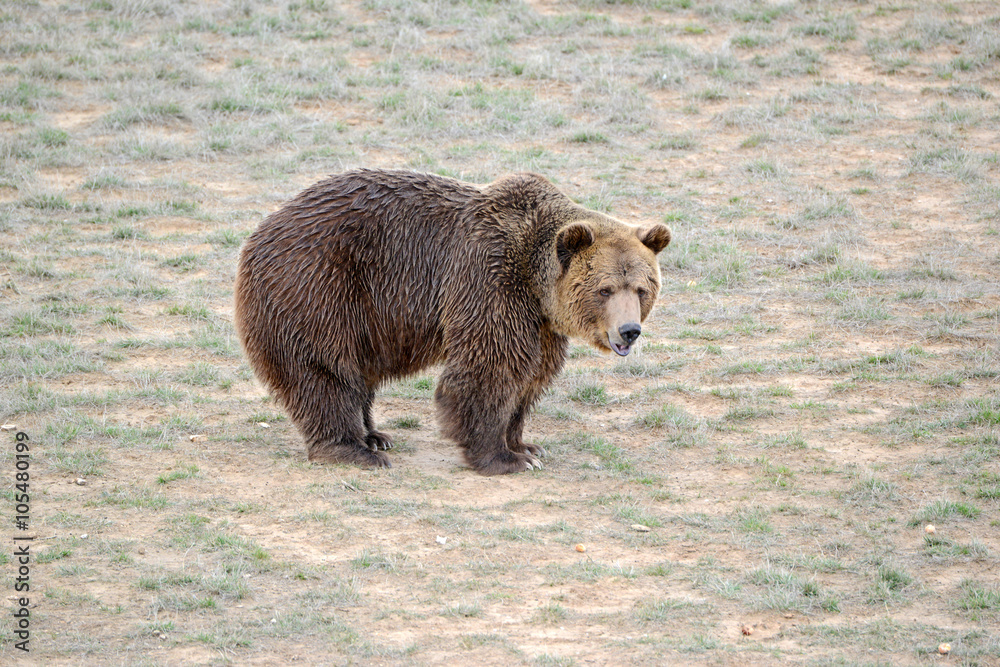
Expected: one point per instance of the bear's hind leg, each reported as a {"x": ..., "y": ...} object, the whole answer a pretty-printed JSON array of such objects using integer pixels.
[
  {"x": 328, "y": 410},
  {"x": 376, "y": 440}
]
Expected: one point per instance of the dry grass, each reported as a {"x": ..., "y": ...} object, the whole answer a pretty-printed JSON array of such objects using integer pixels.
[{"x": 818, "y": 382}]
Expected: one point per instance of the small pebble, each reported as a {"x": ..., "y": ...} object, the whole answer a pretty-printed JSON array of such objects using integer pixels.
[
  {"x": 641, "y": 528},
  {"x": 930, "y": 529},
  {"x": 80, "y": 481}
]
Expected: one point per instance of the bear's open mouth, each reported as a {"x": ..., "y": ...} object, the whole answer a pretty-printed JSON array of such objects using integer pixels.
[{"x": 621, "y": 350}]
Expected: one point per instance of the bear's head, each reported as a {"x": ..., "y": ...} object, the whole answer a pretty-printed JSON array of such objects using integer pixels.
[{"x": 609, "y": 280}]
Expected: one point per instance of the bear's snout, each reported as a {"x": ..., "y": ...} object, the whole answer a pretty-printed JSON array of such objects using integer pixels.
[{"x": 629, "y": 332}]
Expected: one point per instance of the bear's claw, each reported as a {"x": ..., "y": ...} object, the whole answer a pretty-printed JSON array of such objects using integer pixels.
[
  {"x": 539, "y": 452},
  {"x": 504, "y": 462},
  {"x": 377, "y": 440},
  {"x": 376, "y": 460}
]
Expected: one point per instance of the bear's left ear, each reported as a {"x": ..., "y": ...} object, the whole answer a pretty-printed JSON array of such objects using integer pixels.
[
  {"x": 656, "y": 238},
  {"x": 571, "y": 240}
]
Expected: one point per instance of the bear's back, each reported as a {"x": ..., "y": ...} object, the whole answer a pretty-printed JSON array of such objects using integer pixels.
[{"x": 358, "y": 266}]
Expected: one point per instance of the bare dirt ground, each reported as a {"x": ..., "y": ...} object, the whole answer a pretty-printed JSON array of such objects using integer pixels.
[{"x": 753, "y": 486}]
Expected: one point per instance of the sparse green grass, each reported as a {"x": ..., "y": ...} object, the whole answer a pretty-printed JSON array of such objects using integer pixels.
[
  {"x": 871, "y": 490},
  {"x": 943, "y": 510},
  {"x": 760, "y": 167},
  {"x": 660, "y": 611},
  {"x": 816, "y": 383},
  {"x": 408, "y": 422},
  {"x": 140, "y": 498},
  {"x": 852, "y": 273},
  {"x": 676, "y": 142},
  {"x": 199, "y": 374},
  {"x": 368, "y": 560},
  {"x": 670, "y": 416},
  {"x": 80, "y": 461},
  {"x": 979, "y": 597},
  {"x": 588, "y": 137},
  {"x": 184, "y": 472},
  {"x": 890, "y": 582},
  {"x": 609, "y": 454},
  {"x": 590, "y": 394}
]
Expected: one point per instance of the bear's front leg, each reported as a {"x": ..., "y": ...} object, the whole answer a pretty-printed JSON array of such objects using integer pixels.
[
  {"x": 515, "y": 430},
  {"x": 550, "y": 355},
  {"x": 475, "y": 412}
]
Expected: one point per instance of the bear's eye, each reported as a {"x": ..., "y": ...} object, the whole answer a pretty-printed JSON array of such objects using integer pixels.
[
  {"x": 641, "y": 292},
  {"x": 605, "y": 292}
]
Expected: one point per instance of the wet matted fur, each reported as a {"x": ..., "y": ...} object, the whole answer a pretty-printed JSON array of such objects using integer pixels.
[{"x": 373, "y": 275}]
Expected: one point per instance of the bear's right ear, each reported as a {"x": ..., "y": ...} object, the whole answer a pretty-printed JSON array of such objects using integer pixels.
[
  {"x": 571, "y": 240},
  {"x": 656, "y": 238}
]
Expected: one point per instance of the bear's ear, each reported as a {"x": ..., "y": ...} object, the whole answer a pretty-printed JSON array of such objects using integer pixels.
[
  {"x": 656, "y": 238},
  {"x": 571, "y": 240}
]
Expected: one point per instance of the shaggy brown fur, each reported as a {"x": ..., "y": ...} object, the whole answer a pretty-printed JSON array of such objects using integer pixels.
[{"x": 373, "y": 275}]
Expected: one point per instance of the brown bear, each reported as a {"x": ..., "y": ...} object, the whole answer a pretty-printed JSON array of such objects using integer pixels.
[{"x": 373, "y": 275}]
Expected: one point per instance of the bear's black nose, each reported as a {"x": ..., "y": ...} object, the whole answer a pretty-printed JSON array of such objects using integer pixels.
[{"x": 629, "y": 332}]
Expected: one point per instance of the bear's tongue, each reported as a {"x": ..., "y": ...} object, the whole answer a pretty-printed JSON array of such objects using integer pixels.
[{"x": 620, "y": 350}]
